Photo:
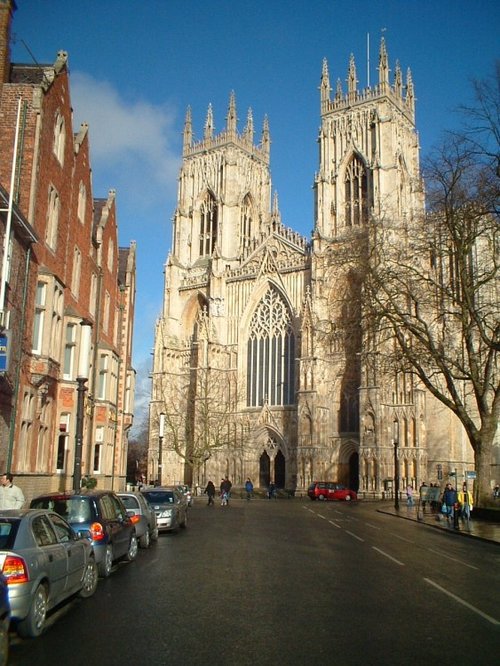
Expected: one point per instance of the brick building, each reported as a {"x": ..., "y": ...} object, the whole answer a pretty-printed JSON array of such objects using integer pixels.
[{"x": 76, "y": 273}]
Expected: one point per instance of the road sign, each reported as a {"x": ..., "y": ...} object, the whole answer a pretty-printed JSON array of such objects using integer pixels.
[{"x": 470, "y": 474}]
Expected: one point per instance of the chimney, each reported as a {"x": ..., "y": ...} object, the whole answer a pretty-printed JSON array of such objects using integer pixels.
[{"x": 7, "y": 9}]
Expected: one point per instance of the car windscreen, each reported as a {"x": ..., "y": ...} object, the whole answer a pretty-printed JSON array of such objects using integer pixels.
[
  {"x": 8, "y": 531},
  {"x": 159, "y": 497}
]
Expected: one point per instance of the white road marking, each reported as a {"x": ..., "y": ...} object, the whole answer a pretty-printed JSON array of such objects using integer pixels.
[
  {"x": 397, "y": 536},
  {"x": 463, "y": 602},
  {"x": 401, "y": 564},
  {"x": 335, "y": 524},
  {"x": 354, "y": 535},
  {"x": 320, "y": 516},
  {"x": 374, "y": 527},
  {"x": 465, "y": 564}
]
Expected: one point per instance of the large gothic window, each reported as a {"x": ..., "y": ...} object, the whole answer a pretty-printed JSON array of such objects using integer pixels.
[
  {"x": 356, "y": 193},
  {"x": 271, "y": 353},
  {"x": 246, "y": 222},
  {"x": 208, "y": 226}
]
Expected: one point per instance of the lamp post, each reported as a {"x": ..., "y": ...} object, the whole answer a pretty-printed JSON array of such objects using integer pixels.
[
  {"x": 82, "y": 378},
  {"x": 396, "y": 476},
  {"x": 161, "y": 432}
]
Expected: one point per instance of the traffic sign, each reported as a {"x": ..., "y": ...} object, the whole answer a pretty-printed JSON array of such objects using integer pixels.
[{"x": 470, "y": 474}]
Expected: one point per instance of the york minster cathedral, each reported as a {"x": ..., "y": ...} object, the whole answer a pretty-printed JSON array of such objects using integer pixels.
[{"x": 260, "y": 365}]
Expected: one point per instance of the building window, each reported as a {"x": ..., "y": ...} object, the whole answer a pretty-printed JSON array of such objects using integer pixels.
[
  {"x": 77, "y": 272},
  {"x": 93, "y": 294},
  {"x": 57, "y": 322},
  {"x": 39, "y": 320},
  {"x": 52, "y": 218},
  {"x": 99, "y": 439},
  {"x": 103, "y": 377},
  {"x": 59, "y": 138},
  {"x": 62, "y": 442},
  {"x": 82, "y": 203},
  {"x": 246, "y": 222},
  {"x": 69, "y": 351},
  {"x": 28, "y": 415},
  {"x": 208, "y": 226},
  {"x": 271, "y": 353},
  {"x": 356, "y": 193},
  {"x": 111, "y": 255}
]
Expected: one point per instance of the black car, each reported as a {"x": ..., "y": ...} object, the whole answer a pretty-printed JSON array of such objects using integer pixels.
[{"x": 100, "y": 516}]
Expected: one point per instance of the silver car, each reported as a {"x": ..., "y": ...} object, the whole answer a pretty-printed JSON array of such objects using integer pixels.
[
  {"x": 170, "y": 506},
  {"x": 143, "y": 517},
  {"x": 44, "y": 562}
]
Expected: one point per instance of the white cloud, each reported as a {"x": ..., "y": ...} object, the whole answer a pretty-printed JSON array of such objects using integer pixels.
[{"x": 130, "y": 142}]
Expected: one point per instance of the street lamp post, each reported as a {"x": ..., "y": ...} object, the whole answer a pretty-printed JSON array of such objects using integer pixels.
[
  {"x": 396, "y": 476},
  {"x": 82, "y": 378},
  {"x": 161, "y": 432}
]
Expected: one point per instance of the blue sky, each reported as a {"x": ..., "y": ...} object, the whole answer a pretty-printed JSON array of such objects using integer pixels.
[{"x": 137, "y": 65}]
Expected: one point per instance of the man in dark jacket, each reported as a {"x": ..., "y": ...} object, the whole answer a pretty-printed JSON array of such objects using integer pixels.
[
  {"x": 449, "y": 500},
  {"x": 210, "y": 492}
]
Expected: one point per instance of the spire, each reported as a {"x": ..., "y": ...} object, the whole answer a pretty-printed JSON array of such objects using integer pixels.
[
  {"x": 410, "y": 91},
  {"x": 266, "y": 138},
  {"x": 383, "y": 63},
  {"x": 248, "y": 131},
  {"x": 188, "y": 130},
  {"x": 209, "y": 124},
  {"x": 398, "y": 81},
  {"x": 275, "y": 211},
  {"x": 325, "y": 83},
  {"x": 352, "y": 81},
  {"x": 231, "y": 114}
]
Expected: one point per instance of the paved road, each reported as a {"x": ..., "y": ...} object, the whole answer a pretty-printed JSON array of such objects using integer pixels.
[{"x": 287, "y": 582}]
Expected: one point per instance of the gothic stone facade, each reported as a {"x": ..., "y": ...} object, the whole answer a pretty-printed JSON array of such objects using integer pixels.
[{"x": 260, "y": 362}]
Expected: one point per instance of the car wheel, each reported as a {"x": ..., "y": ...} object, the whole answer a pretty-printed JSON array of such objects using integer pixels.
[
  {"x": 154, "y": 534},
  {"x": 132, "y": 549},
  {"x": 106, "y": 564},
  {"x": 321, "y": 497},
  {"x": 348, "y": 498},
  {"x": 144, "y": 541},
  {"x": 33, "y": 624},
  {"x": 184, "y": 522},
  {"x": 90, "y": 578},
  {"x": 4, "y": 640}
]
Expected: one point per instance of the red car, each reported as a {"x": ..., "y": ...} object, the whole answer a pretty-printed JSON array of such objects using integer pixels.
[{"x": 329, "y": 490}]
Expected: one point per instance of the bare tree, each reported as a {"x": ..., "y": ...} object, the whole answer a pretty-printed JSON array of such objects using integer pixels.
[{"x": 432, "y": 286}]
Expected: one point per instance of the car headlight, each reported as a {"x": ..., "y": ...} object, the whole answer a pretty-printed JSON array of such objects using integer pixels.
[{"x": 167, "y": 513}]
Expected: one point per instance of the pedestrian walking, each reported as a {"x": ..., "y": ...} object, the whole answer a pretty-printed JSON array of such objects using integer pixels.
[
  {"x": 466, "y": 502},
  {"x": 210, "y": 492},
  {"x": 271, "y": 491},
  {"x": 409, "y": 496},
  {"x": 449, "y": 501},
  {"x": 11, "y": 496},
  {"x": 249, "y": 489},
  {"x": 225, "y": 491}
]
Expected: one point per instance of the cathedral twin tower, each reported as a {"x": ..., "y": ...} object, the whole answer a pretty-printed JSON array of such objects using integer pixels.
[{"x": 261, "y": 366}]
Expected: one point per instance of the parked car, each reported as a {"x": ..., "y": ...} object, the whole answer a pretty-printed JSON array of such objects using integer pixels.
[
  {"x": 4, "y": 620},
  {"x": 170, "y": 506},
  {"x": 187, "y": 492},
  {"x": 330, "y": 490},
  {"x": 44, "y": 562},
  {"x": 100, "y": 516},
  {"x": 143, "y": 517}
]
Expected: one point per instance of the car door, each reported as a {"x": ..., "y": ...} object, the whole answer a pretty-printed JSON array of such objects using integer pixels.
[
  {"x": 52, "y": 557},
  {"x": 124, "y": 529},
  {"x": 75, "y": 551}
]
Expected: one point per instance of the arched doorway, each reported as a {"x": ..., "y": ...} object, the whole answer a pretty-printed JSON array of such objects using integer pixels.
[
  {"x": 264, "y": 470},
  {"x": 279, "y": 470},
  {"x": 354, "y": 472}
]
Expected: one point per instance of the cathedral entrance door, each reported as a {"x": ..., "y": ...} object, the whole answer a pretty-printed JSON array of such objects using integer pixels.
[
  {"x": 264, "y": 470},
  {"x": 279, "y": 470}
]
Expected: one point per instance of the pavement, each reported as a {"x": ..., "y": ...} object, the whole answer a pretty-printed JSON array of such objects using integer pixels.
[{"x": 475, "y": 528}]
